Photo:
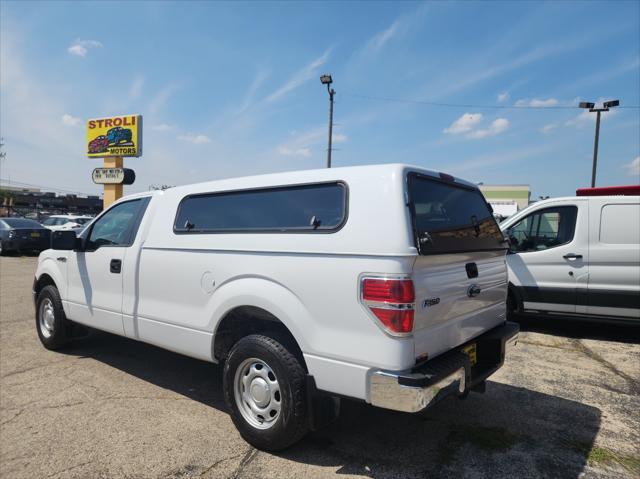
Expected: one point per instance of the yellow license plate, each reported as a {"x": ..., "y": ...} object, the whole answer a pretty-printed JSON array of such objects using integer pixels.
[
  {"x": 471, "y": 352},
  {"x": 35, "y": 235}
]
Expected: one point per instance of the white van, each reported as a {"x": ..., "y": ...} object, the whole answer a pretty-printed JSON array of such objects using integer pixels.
[{"x": 577, "y": 256}]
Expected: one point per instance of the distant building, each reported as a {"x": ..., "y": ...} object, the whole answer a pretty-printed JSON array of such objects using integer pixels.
[
  {"x": 34, "y": 202},
  {"x": 507, "y": 194}
]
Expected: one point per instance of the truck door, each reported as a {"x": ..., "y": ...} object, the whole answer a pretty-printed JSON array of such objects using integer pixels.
[
  {"x": 95, "y": 274},
  {"x": 548, "y": 259}
]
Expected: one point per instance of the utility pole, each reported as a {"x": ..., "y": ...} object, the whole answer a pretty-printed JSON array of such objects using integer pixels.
[
  {"x": 327, "y": 80},
  {"x": 598, "y": 111}
]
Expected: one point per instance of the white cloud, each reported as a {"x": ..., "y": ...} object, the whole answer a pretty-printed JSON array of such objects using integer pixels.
[
  {"x": 537, "y": 103},
  {"x": 469, "y": 123},
  {"x": 136, "y": 87},
  {"x": 464, "y": 124},
  {"x": 303, "y": 75},
  {"x": 380, "y": 38},
  {"x": 586, "y": 117},
  {"x": 286, "y": 151},
  {"x": 497, "y": 126},
  {"x": 548, "y": 128},
  {"x": 504, "y": 96},
  {"x": 162, "y": 127},
  {"x": 161, "y": 98},
  {"x": 69, "y": 120},
  {"x": 80, "y": 48},
  {"x": 196, "y": 139},
  {"x": 633, "y": 167},
  {"x": 301, "y": 143}
]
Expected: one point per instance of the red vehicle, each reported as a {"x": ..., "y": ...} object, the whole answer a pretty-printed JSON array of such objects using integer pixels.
[{"x": 98, "y": 144}]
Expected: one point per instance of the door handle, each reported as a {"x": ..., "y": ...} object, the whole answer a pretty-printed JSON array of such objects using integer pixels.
[
  {"x": 572, "y": 256},
  {"x": 115, "y": 266},
  {"x": 62, "y": 259},
  {"x": 473, "y": 290}
]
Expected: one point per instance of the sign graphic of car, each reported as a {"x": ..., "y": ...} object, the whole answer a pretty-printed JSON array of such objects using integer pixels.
[
  {"x": 118, "y": 134},
  {"x": 98, "y": 144}
]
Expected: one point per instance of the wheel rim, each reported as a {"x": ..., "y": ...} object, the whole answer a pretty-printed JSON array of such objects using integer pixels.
[
  {"x": 257, "y": 393},
  {"x": 46, "y": 318}
]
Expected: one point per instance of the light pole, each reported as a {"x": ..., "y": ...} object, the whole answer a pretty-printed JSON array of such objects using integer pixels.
[
  {"x": 327, "y": 80},
  {"x": 605, "y": 107}
]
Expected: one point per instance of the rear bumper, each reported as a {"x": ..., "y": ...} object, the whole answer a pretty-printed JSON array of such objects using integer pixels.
[{"x": 450, "y": 373}]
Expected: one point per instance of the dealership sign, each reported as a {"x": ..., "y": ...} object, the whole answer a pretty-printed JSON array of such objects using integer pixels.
[
  {"x": 113, "y": 176},
  {"x": 114, "y": 136}
]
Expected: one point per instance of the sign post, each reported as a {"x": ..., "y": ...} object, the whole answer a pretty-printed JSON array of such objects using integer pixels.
[
  {"x": 112, "y": 192},
  {"x": 113, "y": 139}
]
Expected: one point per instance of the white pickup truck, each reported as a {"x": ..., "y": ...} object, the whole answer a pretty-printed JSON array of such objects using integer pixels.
[{"x": 382, "y": 283}]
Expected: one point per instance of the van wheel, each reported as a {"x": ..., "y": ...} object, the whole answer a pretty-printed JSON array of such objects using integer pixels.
[
  {"x": 264, "y": 387},
  {"x": 51, "y": 322}
]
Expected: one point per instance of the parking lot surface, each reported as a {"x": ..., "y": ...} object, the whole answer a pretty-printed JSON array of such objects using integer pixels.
[{"x": 566, "y": 404}]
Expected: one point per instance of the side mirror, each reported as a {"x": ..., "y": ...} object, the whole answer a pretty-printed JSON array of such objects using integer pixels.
[{"x": 63, "y": 240}]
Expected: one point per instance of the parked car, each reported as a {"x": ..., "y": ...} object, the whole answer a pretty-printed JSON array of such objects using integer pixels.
[
  {"x": 99, "y": 144},
  {"x": 21, "y": 234},
  {"x": 117, "y": 135},
  {"x": 577, "y": 256},
  {"x": 66, "y": 222},
  {"x": 382, "y": 283}
]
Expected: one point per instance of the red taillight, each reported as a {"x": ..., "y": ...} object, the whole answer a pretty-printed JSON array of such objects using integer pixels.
[
  {"x": 391, "y": 300},
  {"x": 395, "y": 320},
  {"x": 388, "y": 290}
]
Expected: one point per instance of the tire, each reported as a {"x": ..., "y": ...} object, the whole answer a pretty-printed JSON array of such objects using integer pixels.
[
  {"x": 273, "y": 382},
  {"x": 51, "y": 323},
  {"x": 2, "y": 250}
]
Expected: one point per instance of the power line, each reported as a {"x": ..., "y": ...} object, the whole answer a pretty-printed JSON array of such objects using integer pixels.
[{"x": 471, "y": 105}]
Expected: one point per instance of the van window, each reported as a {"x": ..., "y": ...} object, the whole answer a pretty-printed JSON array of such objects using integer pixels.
[
  {"x": 620, "y": 224},
  {"x": 543, "y": 229},
  {"x": 304, "y": 208},
  {"x": 449, "y": 217}
]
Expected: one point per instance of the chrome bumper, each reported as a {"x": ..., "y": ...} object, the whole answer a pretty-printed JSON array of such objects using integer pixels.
[
  {"x": 451, "y": 373},
  {"x": 386, "y": 392}
]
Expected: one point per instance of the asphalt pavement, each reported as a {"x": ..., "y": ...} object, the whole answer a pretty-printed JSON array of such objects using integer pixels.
[{"x": 566, "y": 404}]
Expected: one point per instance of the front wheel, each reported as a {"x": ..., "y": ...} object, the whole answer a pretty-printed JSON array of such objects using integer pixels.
[
  {"x": 264, "y": 387},
  {"x": 51, "y": 322}
]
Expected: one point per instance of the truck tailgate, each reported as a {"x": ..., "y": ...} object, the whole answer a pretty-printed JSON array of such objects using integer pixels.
[{"x": 451, "y": 306}]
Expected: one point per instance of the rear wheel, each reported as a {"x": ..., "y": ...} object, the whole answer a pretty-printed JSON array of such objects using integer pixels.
[
  {"x": 51, "y": 322},
  {"x": 264, "y": 387}
]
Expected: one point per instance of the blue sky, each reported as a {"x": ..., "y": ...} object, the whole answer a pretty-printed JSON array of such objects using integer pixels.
[{"x": 232, "y": 89}]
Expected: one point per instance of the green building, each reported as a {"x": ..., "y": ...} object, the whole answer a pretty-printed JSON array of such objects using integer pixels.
[{"x": 506, "y": 198}]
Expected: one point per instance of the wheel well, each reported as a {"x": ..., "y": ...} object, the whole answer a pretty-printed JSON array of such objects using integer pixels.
[
  {"x": 43, "y": 280},
  {"x": 245, "y": 320},
  {"x": 513, "y": 293}
]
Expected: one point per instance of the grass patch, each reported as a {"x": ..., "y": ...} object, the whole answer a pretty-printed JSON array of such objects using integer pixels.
[
  {"x": 490, "y": 439},
  {"x": 596, "y": 455}
]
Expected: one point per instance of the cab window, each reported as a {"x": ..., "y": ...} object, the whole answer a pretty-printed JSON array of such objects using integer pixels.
[
  {"x": 544, "y": 229},
  {"x": 118, "y": 226}
]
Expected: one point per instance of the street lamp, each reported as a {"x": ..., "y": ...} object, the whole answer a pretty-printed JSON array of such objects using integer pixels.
[
  {"x": 591, "y": 107},
  {"x": 327, "y": 80}
]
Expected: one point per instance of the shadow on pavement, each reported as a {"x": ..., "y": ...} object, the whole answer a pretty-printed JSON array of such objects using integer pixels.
[
  {"x": 581, "y": 328},
  {"x": 506, "y": 432}
]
